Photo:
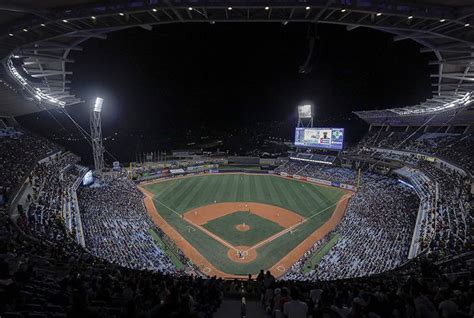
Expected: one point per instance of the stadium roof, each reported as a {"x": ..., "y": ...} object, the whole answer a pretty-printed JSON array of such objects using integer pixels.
[{"x": 37, "y": 37}]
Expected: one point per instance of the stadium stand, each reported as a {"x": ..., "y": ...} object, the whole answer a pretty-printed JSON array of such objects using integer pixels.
[
  {"x": 20, "y": 149},
  {"x": 46, "y": 272},
  {"x": 117, "y": 226}
]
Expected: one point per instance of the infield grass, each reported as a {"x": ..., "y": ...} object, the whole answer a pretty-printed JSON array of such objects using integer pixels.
[{"x": 260, "y": 228}]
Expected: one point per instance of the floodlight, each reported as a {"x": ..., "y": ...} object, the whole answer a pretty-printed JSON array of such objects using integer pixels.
[
  {"x": 229, "y": 8},
  {"x": 121, "y": 14},
  {"x": 154, "y": 10},
  {"x": 65, "y": 21},
  {"x": 343, "y": 10},
  {"x": 467, "y": 24},
  {"x": 379, "y": 14},
  {"x": 442, "y": 20},
  {"x": 25, "y": 30},
  {"x": 304, "y": 111},
  {"x": 10, "y": 34},
  {"x": 43, "y": 25},
  {"x": 98, "y": 104},
  {"x": 93, "y": 18},
  {"x": 190, "y": 9},
  {"x": 267, "y": 8},
  {"x": 307, "y": 8}
]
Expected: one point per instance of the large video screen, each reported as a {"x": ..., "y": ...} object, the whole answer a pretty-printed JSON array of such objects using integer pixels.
[{"x": 326, "y": 138}]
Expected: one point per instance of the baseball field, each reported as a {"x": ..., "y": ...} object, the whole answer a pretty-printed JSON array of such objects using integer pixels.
[{"x": 232, "y": 225}]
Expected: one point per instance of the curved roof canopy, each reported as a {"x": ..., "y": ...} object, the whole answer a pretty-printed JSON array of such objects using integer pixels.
[{"x": 36, "y": 39}]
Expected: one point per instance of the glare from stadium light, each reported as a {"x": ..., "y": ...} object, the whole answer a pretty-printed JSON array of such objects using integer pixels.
[
  {"x": 267, "y": 8},
  {"x": 65, "y": 21},
  {"x": 307, "y": 8},
  {"x": 229, "y": 8},
  {"x": 43, "y": 25},
  {"x": 410, "y": 17},
  {"x": 154, "y": 10},
  {"x": 190, "y": 9},
  {"x": 121, "y": 14},
  {"x": 467, "y": 24},
  {"x": 25, "y": 30},
  {"x": 343, "y": 10},
  {"x": 98, "y": 104},
  {"x": 379, "y": 14},
  {"x": 10, "y": 34},
  {"x": 442, "y": 20},
  {"x": 93, "y": 18}
]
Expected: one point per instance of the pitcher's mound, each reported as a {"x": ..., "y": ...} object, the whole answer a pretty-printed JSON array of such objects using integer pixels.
[
  {"x": 242, "y": 254},
  {"x": 242, "y": 227}
]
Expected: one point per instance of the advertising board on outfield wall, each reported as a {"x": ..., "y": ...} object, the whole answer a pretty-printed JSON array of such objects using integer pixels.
[{"x": 320, "y": 181}]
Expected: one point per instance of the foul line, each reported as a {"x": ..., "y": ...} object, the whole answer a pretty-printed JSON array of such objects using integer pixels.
[
  {"x": 217, "y": 238},
  {"x": 277, "y": 235}
]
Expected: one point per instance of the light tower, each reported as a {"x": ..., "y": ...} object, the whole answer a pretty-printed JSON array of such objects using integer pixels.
[
  {"x": 305, "y": 114},
  {"x": 96, "y": 135}
]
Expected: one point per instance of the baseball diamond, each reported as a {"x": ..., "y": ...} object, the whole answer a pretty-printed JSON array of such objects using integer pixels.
[{"x": 243, "y": 222}]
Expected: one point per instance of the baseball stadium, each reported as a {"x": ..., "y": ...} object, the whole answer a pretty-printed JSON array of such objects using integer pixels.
[{"x": 281, "y": 159}]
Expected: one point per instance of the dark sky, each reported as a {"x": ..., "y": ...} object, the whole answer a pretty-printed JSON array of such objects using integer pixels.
[{"x": 223, "y": 76}]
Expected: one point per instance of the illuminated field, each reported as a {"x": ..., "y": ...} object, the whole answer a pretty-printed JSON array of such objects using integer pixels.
[{"x": 282, "y": 217}]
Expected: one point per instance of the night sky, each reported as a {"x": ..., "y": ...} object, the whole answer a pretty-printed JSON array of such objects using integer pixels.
[{"x": 216, "y": 78}]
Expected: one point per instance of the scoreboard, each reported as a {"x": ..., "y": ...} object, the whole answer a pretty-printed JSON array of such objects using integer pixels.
[{"x": 324, "y": 138}]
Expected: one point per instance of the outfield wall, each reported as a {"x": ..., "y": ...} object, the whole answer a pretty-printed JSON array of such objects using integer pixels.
[
  {"x": 320, "y": 181},
  {"x": 170, "y": 173}
]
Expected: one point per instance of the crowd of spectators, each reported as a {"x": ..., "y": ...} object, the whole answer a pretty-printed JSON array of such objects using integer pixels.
[
  {"x": 117, "y": 227},
  {"x": 54, "y": 280},
  {"x": 19, "y": 151},
  {"x": 318, "y": 170},
  {"x": 446, "y": 226},
  {"x": 375, "y": 232},
  {"x": 418, "y": 289},
  {"x": 455, "y": 147},
  {"x": 49, "y": 191}
]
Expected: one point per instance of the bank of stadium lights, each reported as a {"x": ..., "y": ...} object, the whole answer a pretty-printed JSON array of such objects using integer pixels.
[
  {"x": 98, "y": 104},
  {"x": 34, "y": 91},
  {"x": 460, "y": 102}
]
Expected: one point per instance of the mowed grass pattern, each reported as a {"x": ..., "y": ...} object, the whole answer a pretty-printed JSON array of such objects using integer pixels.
[
  {"x": 260, "y": 228},
  {"x": 176, "y": 196}
]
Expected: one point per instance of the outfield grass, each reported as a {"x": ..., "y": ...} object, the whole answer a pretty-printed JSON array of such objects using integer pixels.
[
  {"x": 260, "y": 228},
  {"x": 316, "y": 258},
  {"x": 177, "y": 196}
]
